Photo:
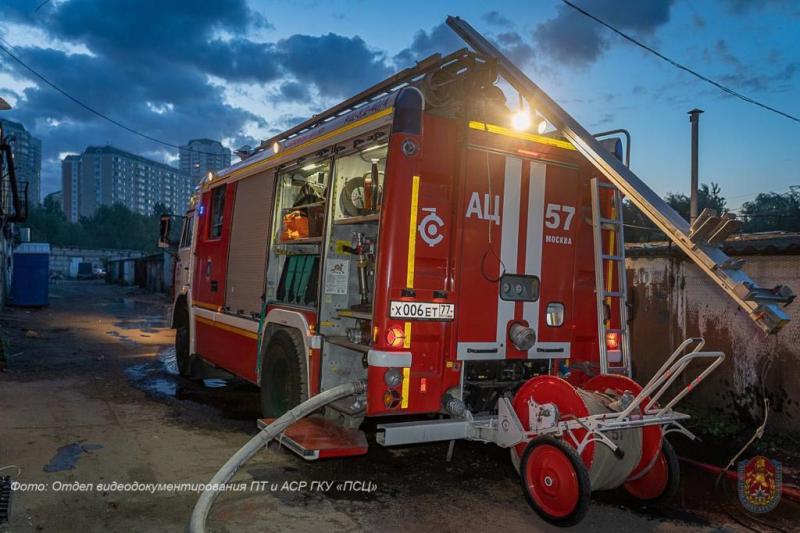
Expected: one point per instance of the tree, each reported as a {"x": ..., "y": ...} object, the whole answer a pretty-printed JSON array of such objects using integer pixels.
[
  {"x": 641, "y": 229},
  {"x": 114, "y": 227},
  {"x": 773, "y": 212},
  {"x": 707, "y": 197}
]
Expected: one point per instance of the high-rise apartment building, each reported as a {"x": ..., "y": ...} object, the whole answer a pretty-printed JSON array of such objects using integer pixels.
[
  {"x": 108, "y": 175},
  {"x": 27, "y": 152},
  {"x": 70, "y": 181},
  {"x": 199, "y": 156}
]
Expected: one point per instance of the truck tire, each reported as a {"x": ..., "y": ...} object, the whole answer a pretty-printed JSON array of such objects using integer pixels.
[
  {"x": 182, "y": 356},
  {"x": 283, "y": 376}
]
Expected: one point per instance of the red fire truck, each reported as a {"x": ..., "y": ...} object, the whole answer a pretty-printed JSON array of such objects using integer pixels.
[{"x": 413, "y": 239}]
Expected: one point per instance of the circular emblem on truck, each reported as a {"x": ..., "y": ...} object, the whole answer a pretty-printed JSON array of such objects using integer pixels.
[
  {"x": 410, "y": 148},
  {"x": 430, "y": 227}
]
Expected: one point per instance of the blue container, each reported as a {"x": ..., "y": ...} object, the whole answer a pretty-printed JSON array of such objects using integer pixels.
[{"x": 30, "y": 275}]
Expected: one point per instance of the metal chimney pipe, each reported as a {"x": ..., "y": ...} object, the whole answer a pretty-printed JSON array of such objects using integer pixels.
[{"x": 694, "y": 118}]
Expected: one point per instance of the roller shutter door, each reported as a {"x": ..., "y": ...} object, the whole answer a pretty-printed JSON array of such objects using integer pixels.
[{"x": 247, "y": 256}]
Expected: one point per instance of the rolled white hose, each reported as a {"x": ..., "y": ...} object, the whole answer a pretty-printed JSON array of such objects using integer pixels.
[{"x": 197, "y": 524}]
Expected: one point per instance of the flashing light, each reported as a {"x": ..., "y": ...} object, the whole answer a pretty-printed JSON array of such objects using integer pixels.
[
  {"x": 521, "y": 120},
  {"x": 542, "y": 127},
  {"x": 612, "y": 340},
  {"x": 276, "y": 147}
]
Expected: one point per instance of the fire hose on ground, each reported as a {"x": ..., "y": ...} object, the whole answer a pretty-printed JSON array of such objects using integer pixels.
[{"x": 197, "y": 523}]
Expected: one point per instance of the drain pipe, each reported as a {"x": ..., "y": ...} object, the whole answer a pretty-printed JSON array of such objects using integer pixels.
[{"x": 197, "y": 523}]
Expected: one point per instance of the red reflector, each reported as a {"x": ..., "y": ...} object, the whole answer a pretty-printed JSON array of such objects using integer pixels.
[
  {"x": 391, "y": 399},
  {"x": 395, "y": 337},
  {"x": 612, "y": 341}
]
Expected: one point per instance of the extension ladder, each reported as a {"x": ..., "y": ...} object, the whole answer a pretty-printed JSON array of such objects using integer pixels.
[{"x": 610, "y": 280}]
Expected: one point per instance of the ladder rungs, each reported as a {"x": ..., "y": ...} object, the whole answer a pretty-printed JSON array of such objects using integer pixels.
[
  {"x": 615, "y": 330},
  {"x": 606, "y": 185},
  {"x": 612, "y": 257},
  {"x": 613, "y": 294},
  {"x": 612, "y": 221}
]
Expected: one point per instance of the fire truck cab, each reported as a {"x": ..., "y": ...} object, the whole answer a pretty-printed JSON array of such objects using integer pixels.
[{"x": 460, "y": 264}]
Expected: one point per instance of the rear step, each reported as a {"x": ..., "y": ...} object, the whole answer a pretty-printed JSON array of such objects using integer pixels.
[{"x": 317, "y": 437}]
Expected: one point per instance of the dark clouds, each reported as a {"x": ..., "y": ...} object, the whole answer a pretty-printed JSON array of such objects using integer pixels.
[
  {"x": 572, "y": 38},
  {"x": 149, "y": 64},
  {"x": 495, "y": 18},
  {"x": 443, "y": 40},
  {"x": 439, "y": 39}
]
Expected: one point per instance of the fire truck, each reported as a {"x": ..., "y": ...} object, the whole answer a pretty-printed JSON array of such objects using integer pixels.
[{"x": 463, "y": 257}]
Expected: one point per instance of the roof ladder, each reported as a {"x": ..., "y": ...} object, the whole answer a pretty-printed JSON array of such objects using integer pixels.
[
  {"x": 700, "y": 242},
  {"x": 610, "y": 280}
]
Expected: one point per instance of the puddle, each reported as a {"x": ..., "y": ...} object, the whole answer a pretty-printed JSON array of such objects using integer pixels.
[
  {"x": 123, "y": 338},
  {"x": 235, "y": 399},
  {"x": 67, "y": 456},
  {"x": 133, "y": 309},
  {"x": 147, "y": 324}
]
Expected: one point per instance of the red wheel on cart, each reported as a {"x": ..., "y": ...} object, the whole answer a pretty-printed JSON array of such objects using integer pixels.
[
  {"x": 555, "y": 481},
  {"x": 550, "y": 389},
  {"x": 660, "y": 483}
]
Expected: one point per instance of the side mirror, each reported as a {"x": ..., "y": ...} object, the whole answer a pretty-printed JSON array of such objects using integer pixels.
[{"x": 164, "y": 233}]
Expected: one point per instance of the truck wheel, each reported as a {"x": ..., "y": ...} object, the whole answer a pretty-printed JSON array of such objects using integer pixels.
[
  {"x": 182, "y": 355},
  {"x": 660, "y": 484},
  {"x": 283, "y": 375},
  {"x": 555, "y": 481}
]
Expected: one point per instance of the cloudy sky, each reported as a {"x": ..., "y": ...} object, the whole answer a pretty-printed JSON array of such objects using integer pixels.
[{"x": 241, "y": 70}]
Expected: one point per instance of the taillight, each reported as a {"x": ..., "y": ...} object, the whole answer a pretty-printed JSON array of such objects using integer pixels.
[
  {"x": 612, "y": 340},
  {"x": 395, "y": 337}
]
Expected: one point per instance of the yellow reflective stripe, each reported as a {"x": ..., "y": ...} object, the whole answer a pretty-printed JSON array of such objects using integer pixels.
[
  {"x": 226, "y": 327},
  {"x": 406, "y": 380},
  {"x": 407, "y": 335},
  {"x": 500, "y": 130},
  {"x": 412, "y": 232},
  {"x": 265, "y": 163}
]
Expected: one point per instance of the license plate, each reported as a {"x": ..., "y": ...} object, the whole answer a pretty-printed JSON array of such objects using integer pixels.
[{"x": 421, "y": 311}]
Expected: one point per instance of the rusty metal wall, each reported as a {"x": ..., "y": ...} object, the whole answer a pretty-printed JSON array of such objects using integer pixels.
[{"x": 673, "y": 300}]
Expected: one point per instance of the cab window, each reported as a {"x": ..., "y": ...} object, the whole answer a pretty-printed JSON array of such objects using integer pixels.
[
  {"x": 186, "y": 235},
  {"x": 217, "y": 212}
]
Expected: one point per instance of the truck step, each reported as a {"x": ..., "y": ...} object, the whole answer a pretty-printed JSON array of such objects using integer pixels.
[{"x": 316, "y": 437}]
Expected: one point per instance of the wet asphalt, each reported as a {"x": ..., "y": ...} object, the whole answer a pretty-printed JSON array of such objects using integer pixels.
[{"x": 91, "y": 393}]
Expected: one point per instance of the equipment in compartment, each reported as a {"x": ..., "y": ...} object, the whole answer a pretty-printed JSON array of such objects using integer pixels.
[
  {"x": 363, "y": 249},
  {"x": 362, "y": 195},
  {"x": 298, "y": 282}
]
